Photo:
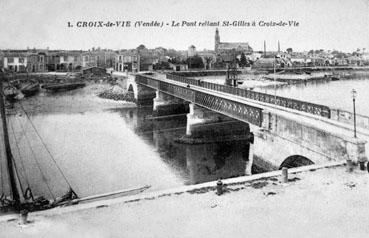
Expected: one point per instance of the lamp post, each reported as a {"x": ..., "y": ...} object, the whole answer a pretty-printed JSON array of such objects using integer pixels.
[{"x": 354, "y": 93}]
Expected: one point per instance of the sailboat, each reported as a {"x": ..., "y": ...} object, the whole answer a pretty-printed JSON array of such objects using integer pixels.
[{"x": 22, "y": 198}]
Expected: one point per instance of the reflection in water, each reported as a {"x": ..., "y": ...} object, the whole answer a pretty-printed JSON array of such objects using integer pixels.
[
  {"x": 195, "y": 163},
  {"x": 216, "y": 160}
]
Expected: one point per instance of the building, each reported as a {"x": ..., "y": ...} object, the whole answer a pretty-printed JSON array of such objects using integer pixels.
[
  {"x": 126, "y": 60},
  {"x": 1, "y": 59},
  {"x": 140, "y": 59},
  {"x": 227, "y": 52},
  {"x": 226, "y": 47},
  {"x": 15, "y": 61},
  {"x": 61, "y": 60},
  {"x": 37, "y": 61},
  {"x": 99, "y": 58},
  {"x": 191, "y": 51},
  {"x": 271, "y": 62},
  {"x": 42, "y": 60},
  {"x": 71, "y": 60},
  {"x": 178, "y": 66}
]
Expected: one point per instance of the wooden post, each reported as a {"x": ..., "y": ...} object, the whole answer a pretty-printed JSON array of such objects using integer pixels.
[
  {"x": 349, "y": 165},
  {"x": 285, "y": 175}
]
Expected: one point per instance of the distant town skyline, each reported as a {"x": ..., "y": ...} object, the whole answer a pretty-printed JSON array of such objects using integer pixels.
[{"x": 329, "y": 25}]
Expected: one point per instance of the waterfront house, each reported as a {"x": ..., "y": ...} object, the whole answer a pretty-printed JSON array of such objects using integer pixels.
[
  {"x": 15, "y": 61},
  {"x": 98, "y": 57},
  {"x": 140, "y": 59},
  {"x": 178, "y": 66},
  {"x": 71, "y": 60},
  {"x": 36, "y": 61},
  {"x": 126, "y": 60}
]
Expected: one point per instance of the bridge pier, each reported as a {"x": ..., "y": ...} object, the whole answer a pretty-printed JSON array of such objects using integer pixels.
[
  {"x": 145, "y": 95},
  {"x": 250, "y": 159},
  {"x": 212, "y": 161},
  {"x": 198, "y": 116},
  {"x": 214, "y": 140},
  {"x": 164, "y": 104}
]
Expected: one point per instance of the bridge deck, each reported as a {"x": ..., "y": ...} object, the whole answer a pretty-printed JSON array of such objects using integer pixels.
[{"x": 330, "y": 126}]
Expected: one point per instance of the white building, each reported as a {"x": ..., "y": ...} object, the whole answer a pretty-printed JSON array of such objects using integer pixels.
[
  {"x": 191, "y": 51},
  {"x": 15, "y": 61}
]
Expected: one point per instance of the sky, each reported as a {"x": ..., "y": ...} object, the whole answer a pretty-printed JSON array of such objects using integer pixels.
[{"x": 323, "y": 24}]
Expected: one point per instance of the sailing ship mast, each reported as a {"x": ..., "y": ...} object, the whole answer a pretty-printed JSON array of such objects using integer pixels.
[
  {"x": 19, "y": 201},
  {"x": 8, "y": 152}
]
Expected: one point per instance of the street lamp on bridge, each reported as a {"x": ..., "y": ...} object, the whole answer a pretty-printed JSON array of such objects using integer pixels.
[{"x": 354, "y": 93}]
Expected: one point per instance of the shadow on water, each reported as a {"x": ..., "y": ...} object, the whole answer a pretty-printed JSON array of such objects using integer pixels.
[{"x": 198, "y": 162}]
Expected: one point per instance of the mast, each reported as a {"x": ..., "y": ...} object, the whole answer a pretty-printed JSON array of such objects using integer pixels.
[{"x": 9, "y": 156}]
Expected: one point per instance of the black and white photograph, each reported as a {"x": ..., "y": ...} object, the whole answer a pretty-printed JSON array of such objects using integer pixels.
[{"x": 195, "y": 118}]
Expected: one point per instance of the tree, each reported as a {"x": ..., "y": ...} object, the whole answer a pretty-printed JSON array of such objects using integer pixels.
[
  {"x": 208, "y": 61},
  {"x": 289, "y": 50},
  {"x": 141, "y": 47},
  {"x": 195, "y": 62},
  {"x": 162, "y": 65},
  {"x": 243, "y": 60}
]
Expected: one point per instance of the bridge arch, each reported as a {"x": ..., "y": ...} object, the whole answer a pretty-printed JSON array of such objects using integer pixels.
[
  {"x": 130, "y": 88},
  {"x": 295, "y": 161}
]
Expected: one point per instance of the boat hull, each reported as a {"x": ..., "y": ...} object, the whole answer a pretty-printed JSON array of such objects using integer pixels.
[
  {"x": 63, "y": 87},
  {"x": 30, "y": 90}
]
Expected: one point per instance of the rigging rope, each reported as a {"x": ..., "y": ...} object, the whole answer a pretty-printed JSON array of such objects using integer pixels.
[
  {"x": 16, "y": 171},
  {"x": 19, "y": 154},
  {"x": 2, "y": 174},
  {"x": 39, "y": 167},
  {"x": 44, "y": 144}
]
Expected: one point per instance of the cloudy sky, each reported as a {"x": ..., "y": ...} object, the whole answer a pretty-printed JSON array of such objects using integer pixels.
[{"x": 329, "y": 24}]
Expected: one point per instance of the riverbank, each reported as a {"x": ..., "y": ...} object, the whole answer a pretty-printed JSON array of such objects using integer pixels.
[
  {"x": 327, "y": 202},
  {"x": 249, "y": 81},
  {"x": 117, "y": 93},
  {"x": 74, "y": 101}
]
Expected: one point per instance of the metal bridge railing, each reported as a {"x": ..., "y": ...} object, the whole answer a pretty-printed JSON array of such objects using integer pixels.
[
  {"x": 308, "y": 107},
  {"x": 223, "y": 105}
]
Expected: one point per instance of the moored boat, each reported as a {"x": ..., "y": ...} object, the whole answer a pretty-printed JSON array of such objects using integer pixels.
[
  {"x": 30, "y": 89},
  {"x": 10, "y": 93},
  {"x": 63, "y": 86}
]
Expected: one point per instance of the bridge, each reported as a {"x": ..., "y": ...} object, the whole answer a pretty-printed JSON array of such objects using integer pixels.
[{"x": 286, "y": 131}]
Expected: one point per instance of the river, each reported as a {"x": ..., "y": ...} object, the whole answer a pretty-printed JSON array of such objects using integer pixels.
[
  {"x": 335, "y": 94},
  {"x": 97, "y": 145}
]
